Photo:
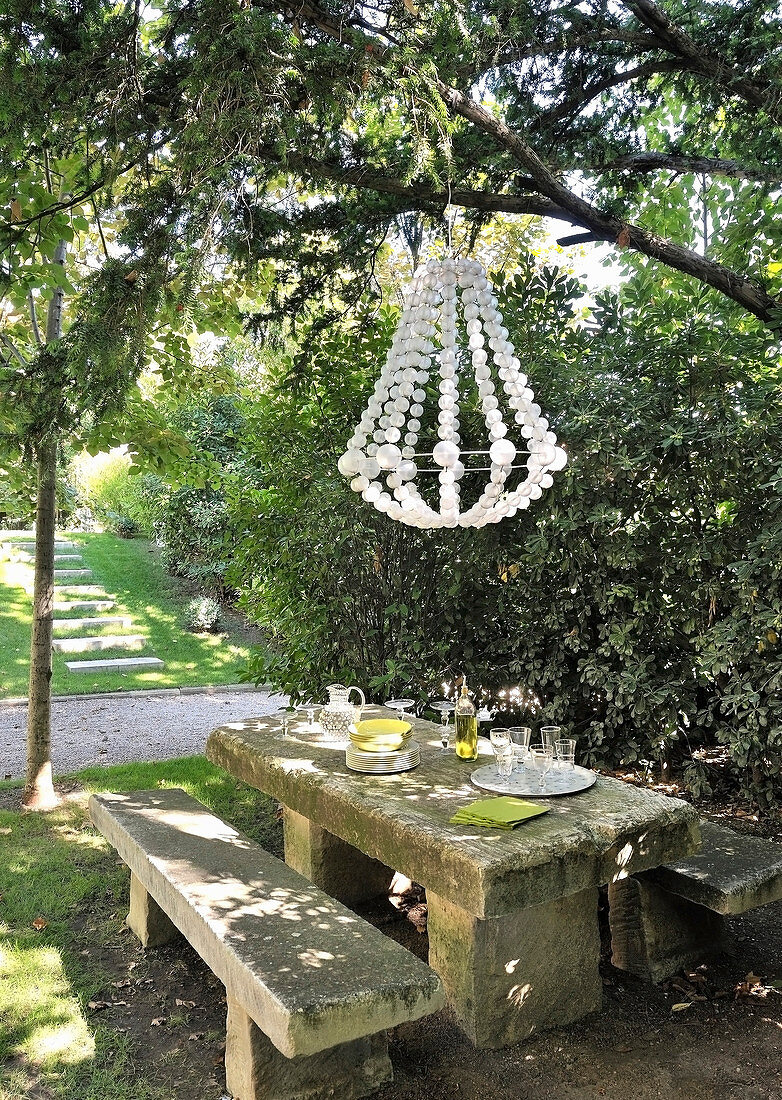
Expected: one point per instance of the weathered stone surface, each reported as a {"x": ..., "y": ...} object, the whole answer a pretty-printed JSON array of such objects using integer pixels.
[
  {"x": 310, "y": 973},
  {"x": 255, "y": 1069},
  {"x": 509, "y": 977},
  {"x": 146, "y": 919},
  {"x": 60, "y": 558},
  {"x": 114, "y": 664},
  {"x": 336, "y": 867},
  {"x": 80, "y": 590},
  {"x": 104, "y": 641},
  {"x": 655, "y": 933},
  {"x": 609, "y": 831},
  {"x": 71, "y": 574},
  {"x": 29, "y": 544},
  {"x": 730, "y": 874},
  {"x": 65, "y": 606},
  {"x": 88, "y": 624}
]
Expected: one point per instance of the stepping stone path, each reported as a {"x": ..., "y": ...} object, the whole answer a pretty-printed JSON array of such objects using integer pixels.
[
  {"x": 114, "y": 665},
  {"x": 77, "y": 597}
]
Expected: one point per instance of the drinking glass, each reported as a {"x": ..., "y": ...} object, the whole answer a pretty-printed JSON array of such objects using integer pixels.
[
  {"x": 520, "y": 736},
  {"x": 566, "y": 753},
  {"x": 400, "y": 706},
  {"x": 550, "y": 735},
  {"x": 284, "y": 714},
  {"x": 309, "y": 709},
  {"x": 542, "y": 760},
  {"x": 503, "y": 758},
  {"x": 499, "y": 737},
  {"x": 446, "y": 709}
]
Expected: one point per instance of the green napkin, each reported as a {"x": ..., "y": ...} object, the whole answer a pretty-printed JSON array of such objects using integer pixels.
[{"x": 498, "y": 813}]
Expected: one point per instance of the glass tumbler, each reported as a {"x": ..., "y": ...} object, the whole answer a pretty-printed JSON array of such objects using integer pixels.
[
  {"x": 566, "y": 753},
  {"x": 503, "y": 758},
  {"x": 520, "y": 736},
  {"x": 549, "y": 735}
]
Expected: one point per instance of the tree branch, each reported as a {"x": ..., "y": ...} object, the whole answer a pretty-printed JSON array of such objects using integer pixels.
[
  {"x": 12, "y": 348},
  {"x": 367, "y": 179},
  {"x": 676, "y": 162},
  {"x": 607, "y": 227},
  {"x": 596, "y": 38},
  {"x": 576, "y": 104},
  {"x": 34, "y": 318},
  {"x": 701, "y": 61}
]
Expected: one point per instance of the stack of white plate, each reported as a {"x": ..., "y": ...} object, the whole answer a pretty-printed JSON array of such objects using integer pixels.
[{"x": 383, "y": 763}]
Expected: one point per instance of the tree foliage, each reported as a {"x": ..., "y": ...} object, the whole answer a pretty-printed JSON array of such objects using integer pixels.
[
  {"x": 295, "y": 137},
  {"x": 638, "y": 603}
]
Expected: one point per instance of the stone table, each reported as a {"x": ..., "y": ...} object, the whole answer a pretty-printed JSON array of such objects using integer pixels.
[{"x": 512, "y": 915}]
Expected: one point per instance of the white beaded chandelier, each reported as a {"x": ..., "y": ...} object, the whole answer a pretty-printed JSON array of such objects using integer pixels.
[{"x": 386, "y": 441}]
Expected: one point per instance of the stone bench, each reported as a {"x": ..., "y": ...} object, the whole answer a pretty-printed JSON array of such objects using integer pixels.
[
  {"x": 311, "y": 987},
  {"x": 674, "y": 916}
]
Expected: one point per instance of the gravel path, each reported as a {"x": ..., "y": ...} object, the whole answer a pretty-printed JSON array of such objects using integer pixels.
[{"x": 116, "y": 728}]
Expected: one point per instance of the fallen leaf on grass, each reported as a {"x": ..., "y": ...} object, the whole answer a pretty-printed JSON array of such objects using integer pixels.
[
  {"x": 96, "y": 1006},
  {"x": 40, "y": 923}
]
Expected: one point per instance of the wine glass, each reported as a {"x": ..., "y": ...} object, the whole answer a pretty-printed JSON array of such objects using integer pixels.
[
  {"x": 308, "y": 709},
  {"x": 400, "y": 706},
  {"x": 499, "y": 737},
  {"x": 446, "y": 709},
  {"x": 542, "y": 761},
  {"x": 284, "y": 714}
]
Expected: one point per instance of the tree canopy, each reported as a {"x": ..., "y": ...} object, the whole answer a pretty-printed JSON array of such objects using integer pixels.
[{"x": 304, "y": 131}]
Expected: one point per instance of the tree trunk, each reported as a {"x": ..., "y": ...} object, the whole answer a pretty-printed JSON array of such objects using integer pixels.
[
  {"x": 39, "y": 790},
  {"x": 39, "y": 793}
]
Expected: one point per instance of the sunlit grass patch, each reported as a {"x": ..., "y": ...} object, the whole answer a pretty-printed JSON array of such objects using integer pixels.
[
  {"x": 64, "y": 892},
  {"x": 127, "y": 570}
]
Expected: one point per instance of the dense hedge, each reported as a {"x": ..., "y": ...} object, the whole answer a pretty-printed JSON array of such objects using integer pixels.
[{"x": 638, "y": 602}]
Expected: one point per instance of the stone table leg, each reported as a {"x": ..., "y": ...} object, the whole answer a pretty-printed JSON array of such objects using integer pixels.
[
  {"x": 255, "y": 1069},
  {"x": 509, "y": 977},
  {"x": 336, "y": 867},
  {"x": 655, "y": 933}
]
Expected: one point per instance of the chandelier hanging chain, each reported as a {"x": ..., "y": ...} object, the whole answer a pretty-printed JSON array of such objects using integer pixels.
[
  {"x": 384, "y": 442},
  {"x": 449, "y": 216}
]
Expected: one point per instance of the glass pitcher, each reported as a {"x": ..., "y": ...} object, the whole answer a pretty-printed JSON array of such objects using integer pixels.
[{"x": 339, "y": 714}]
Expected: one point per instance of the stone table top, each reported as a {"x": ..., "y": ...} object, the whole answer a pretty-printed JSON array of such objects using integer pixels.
[{"x": 586, "y": 839}]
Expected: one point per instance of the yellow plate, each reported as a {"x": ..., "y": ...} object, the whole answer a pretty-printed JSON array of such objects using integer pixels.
[
  {"x": 380, "y": 734},
  {"x": 374, "y": 726}
]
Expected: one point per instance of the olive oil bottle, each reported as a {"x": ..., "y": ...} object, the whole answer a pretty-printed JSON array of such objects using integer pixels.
[{"x": 466, "y": 726}]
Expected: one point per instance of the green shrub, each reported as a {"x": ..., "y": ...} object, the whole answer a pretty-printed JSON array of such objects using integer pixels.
[
  {"x": 123, "y": 526},
  {"x": 639, "y": 602},
  {"x": 203, "y": 614},
  {"x": 112, "y": 488},
  {"x": 194, "y": 529}
]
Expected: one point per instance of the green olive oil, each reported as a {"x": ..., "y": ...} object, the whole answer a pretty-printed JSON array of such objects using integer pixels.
[{"x": 466, "y": 727}]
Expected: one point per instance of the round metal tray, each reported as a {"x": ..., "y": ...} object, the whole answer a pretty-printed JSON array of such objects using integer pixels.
[{"x": 525, "y": 784}]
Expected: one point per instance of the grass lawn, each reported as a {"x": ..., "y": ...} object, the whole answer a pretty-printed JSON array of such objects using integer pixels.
[
  {"x": 63, "y": 947},
  {"x": 129, "y": 571}
]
